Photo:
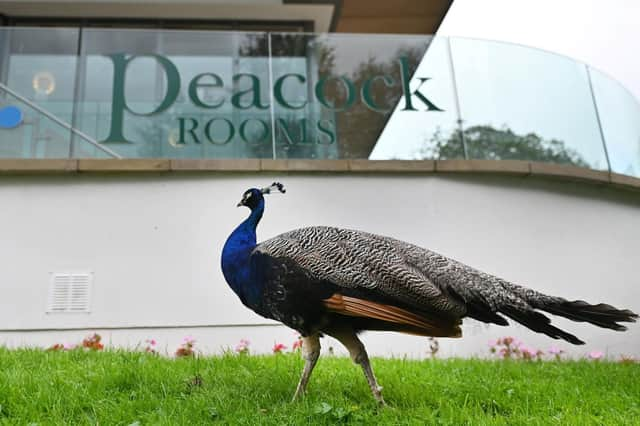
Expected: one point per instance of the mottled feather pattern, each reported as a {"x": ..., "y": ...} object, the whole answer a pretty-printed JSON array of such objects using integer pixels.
[
  {"x": 428, "y": 281},
  {"x": 403, "y": 271},
  {"x": 354, "y": 259}
]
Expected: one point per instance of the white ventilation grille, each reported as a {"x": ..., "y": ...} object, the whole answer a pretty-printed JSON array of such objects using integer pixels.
[{"x": 69, "y": 292}]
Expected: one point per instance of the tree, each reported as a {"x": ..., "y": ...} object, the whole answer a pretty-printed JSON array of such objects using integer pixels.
[{"x": 488, "y": 143}]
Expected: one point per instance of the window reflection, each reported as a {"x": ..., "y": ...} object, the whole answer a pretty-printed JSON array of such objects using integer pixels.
[{"x": 200, "y": 94}]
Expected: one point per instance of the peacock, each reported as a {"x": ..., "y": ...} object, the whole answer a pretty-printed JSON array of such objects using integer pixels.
[{"x": 325, "y": 280}]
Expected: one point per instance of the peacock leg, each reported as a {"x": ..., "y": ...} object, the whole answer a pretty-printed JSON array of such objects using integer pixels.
[
  {"x": 359, "y": 355},
  {"x": 310, "y": 353}
]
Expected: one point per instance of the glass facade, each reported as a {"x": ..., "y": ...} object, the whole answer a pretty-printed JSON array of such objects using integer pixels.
[{"x": 96, "y": 93}]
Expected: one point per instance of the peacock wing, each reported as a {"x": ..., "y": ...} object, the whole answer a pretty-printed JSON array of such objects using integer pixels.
[
  {"x": 369, "y": 266},
  {"x": 399, "y": 282}
]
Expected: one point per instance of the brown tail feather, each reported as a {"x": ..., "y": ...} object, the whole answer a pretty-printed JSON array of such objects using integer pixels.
[{"x": 398, "y": 319}]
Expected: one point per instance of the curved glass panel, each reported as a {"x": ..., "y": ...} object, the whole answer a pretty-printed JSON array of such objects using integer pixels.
[
  {"x": 526, "y": 104},
  {"x": 619, "y": 114}
]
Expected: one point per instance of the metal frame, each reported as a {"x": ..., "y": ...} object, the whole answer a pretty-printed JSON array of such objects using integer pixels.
[
  {"x": 595, "y": 107},
  {"x": 457, "y": 100}
]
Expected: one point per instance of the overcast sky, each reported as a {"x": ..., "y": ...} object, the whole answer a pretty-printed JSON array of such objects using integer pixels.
[{"x": 601, "y": 33}]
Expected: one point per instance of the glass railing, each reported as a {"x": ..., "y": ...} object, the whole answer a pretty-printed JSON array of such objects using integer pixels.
[{"x": 192, "y": 94}]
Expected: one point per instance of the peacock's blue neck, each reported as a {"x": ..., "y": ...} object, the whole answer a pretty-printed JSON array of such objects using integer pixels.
[{"x": 236, "y": 254}]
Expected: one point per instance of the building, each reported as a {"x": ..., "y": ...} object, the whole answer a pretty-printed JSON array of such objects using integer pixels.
[{"x": 130, "y": 130}]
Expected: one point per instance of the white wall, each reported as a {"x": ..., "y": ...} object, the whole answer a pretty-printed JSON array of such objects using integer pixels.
[
  {"x": 154, "y": 242},
  {"x": 601, "y": 33}
]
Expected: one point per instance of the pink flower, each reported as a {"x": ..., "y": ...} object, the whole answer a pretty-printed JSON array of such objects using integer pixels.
[
  {"x": 68, "y": 346},
  {"x": 296, "y": 345},
  {"x": 596, "y": 355},
  {"x": 151, "y": 345},
  {"x": 185, "y": 349},
  {"x": 243, "y": 346},
  {"x": 527, "y": 352},
  {"x": 278, "y": 348},
  {"x": 492, "y": 343},
  {"x": 553, "y": 350}
]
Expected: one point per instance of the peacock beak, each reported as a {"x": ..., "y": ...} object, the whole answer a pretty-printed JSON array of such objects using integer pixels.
[{"x": 240, "y": 204}]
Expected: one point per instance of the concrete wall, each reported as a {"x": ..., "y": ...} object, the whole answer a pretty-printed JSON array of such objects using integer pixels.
[{"x": 153, "y": 242}]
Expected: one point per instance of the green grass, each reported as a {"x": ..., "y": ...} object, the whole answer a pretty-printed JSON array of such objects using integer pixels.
[{"x": 118, "y": 387}]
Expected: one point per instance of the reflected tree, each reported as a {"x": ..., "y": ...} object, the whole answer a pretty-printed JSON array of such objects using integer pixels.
[
  {"x": 357, "y": 127},
  {"x": 488, "y": 143},
  {"x": 360, "y": 127}
]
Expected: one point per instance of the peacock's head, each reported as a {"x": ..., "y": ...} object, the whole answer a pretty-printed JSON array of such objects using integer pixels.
[{"x": 252, "y": 197}]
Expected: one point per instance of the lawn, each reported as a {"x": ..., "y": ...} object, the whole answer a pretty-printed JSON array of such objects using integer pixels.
[{"x": 120, "y": 387}]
